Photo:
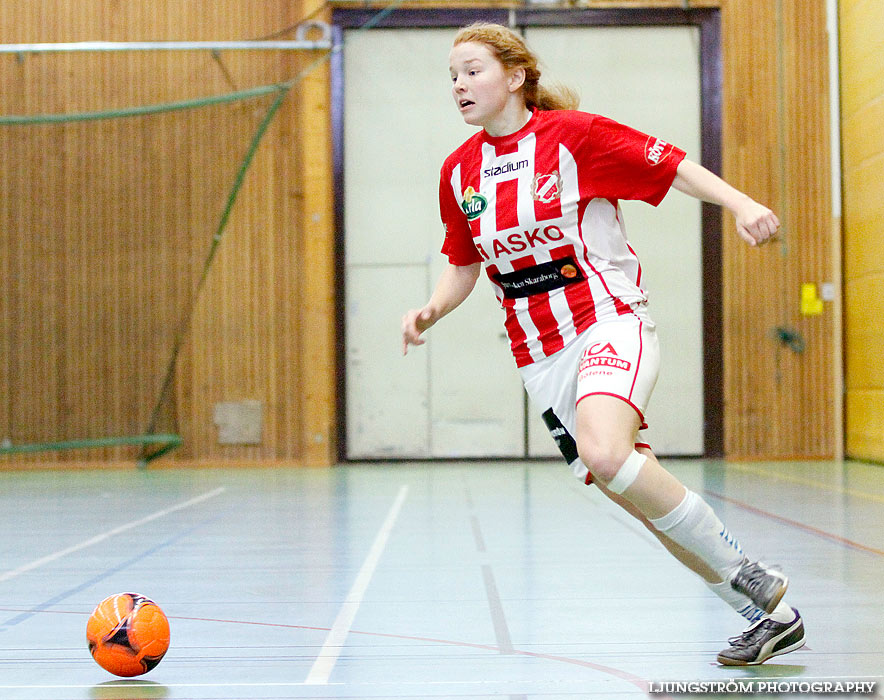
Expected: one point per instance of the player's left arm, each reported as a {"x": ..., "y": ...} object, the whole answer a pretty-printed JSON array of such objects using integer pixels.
[{"x": 756, "y": 224}]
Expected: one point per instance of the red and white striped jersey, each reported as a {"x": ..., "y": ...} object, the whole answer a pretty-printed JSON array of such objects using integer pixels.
[{"x": 540, "y": 210}]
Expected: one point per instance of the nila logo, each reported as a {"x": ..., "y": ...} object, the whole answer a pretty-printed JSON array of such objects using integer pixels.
[{"x": 473, "y": 203}]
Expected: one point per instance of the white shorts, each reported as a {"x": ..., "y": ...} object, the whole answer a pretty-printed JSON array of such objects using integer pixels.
[{"x": 617, "y": 357}]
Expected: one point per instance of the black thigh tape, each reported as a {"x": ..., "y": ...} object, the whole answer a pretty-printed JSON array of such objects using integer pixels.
[{"x": 566, "y": 444}]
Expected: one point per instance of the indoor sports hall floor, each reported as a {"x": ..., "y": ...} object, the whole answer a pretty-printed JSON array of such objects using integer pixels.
[{"x": 427, "y": 580}]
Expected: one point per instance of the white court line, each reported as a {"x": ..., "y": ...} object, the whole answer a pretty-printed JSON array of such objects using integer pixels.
[
  {"x": 529, "y": 683},
  {"x": 152, "y": 684},
  {"x": 337, "y": 635},
  {"x": 37, "y": 563}
]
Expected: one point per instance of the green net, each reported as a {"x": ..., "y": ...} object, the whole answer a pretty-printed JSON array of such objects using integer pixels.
[
  {"x": 110, "y": 224},
  {"x": 113, "y": 217}
]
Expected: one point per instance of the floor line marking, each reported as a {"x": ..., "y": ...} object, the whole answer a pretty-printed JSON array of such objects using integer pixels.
[
  {"x": 48, "y": 559},
  {"x": 495, "y": 606},
  {"x": 638, "y": 682},
  {"x": 155, "y": 686},
  {"x": 334, "y": 641},
  {"x": 805, "y": 482},
  {"x": 498, "y": 617},
  {"x": 30, "y": 612},
  {"x": 801, "y": 526}
]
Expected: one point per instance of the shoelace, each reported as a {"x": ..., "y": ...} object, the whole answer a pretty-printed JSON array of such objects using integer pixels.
[
  {"x": 749, "y": 577},
  {"x": 750, "y": 636},
  {"x": 753, "y": 577}
]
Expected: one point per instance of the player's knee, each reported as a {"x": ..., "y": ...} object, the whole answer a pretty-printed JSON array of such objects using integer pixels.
[
  {"x": 602, "y": 458},
  {"x": 615, "y": 466}
]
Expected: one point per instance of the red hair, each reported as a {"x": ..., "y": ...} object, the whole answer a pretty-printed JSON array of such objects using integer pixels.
[{"x": 510, "y": 49}]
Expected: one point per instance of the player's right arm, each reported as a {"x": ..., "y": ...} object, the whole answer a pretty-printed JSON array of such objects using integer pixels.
[
  {"x": 756, "y": 224},
  {"x": 454, "y": 286}
]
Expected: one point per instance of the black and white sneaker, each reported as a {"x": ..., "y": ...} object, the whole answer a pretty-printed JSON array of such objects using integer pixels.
[
  {"x": 763, "y": 585},
  {"x": 762, "y": 640}
]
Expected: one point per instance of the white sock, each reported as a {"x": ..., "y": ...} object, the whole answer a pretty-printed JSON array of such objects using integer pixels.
[
  {"x": 782, "y": 613},
  {"x": 694, "y": 525},
  {"x": 739, "y": 602}
]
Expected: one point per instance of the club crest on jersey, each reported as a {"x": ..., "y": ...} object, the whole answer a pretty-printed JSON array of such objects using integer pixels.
[
  {"x": 546, "y": 188},
  {"x": 473, "y": 203}
]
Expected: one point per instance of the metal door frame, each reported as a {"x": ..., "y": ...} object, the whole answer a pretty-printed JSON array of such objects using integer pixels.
[{"x": 708, "y": 22}]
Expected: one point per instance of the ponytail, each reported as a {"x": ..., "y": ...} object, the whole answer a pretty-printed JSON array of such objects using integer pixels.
[{"x": 551, "y": 98}]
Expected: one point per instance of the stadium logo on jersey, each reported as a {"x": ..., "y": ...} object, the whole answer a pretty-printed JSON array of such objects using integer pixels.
[
  {"x": 602, "y": 355},
  {"x": 508, "y": 167},
  {"x": 654, "y": 152},
  {"x": 473, "y": 203},
  {"x": 546, "y": 188}
]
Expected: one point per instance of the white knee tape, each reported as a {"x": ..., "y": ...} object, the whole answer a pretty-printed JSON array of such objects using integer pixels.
[{"x": 627, "y": 473}]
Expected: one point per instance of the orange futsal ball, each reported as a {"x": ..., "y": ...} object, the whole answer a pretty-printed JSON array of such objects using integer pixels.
[{"x": 128, "y": 634}]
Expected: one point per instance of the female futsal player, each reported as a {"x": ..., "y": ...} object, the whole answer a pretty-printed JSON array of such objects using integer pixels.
[{"x": 532, "y": 198}]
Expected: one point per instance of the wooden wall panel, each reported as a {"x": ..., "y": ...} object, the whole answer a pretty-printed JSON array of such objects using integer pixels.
[
  {"x": 318, "y": 334},
  {"x": 862, "y": 91},
  {"x": 779, "y": 403},
  {"x": 264, "y": 326},
  {"x": 105, "y": 234}
]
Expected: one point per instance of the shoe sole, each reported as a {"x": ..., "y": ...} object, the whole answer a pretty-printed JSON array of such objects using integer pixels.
[
  {"x": 775, "y": 601},
  {"x": 725, "y": 661},
  {"x": 775, "y": 598}
]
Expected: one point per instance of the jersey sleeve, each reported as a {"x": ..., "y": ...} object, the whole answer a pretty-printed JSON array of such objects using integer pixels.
[
  {"x": 458, "y": 245},
  {"x": 625, "y": 163}
]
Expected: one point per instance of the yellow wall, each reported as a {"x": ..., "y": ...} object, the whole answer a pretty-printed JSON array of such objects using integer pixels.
[{"x": 862, "y": 103}]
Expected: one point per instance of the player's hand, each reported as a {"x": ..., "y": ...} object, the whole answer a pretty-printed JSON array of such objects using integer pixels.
[
  {"x": 756, "y": 224},
  {"x": 414, "y": 323}
]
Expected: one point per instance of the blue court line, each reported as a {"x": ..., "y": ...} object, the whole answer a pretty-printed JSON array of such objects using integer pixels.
[{"x": 18, "y": 619}]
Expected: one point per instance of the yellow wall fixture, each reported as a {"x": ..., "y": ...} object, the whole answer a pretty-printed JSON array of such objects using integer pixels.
[{"x": 811, "y": 304}]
